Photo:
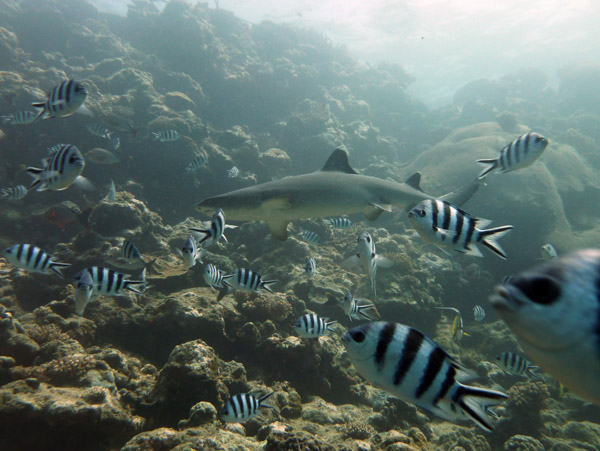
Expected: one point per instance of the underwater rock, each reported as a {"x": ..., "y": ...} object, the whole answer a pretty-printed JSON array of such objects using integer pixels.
[
  {"x": 263, "y": 307},
  {"x": 200, "y": 413},
  {"x": 297, "y": 441},
  {"x": 523, "y": 443},
  {"x": 59, "y": 417},
  {"x": 193, "y": 373},
  {"x": 179, "y": 101}
]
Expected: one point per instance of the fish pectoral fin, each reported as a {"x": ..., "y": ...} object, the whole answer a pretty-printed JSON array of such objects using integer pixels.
[
  {"x": 372, "y": 212},
  {"x": 84, "y": 183},
  {"x": 277, "y": 203},
  {"x": 351, "y": 262},
  {"x": 383, "y": 206},
  {"x": 383, "y": 262},
  {"x": 278, "y": 228}
]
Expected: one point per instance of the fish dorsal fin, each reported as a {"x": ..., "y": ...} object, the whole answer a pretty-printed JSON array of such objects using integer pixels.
[
  {"x": 414, "y": 181},
  {"x": 338, "y": 162}
]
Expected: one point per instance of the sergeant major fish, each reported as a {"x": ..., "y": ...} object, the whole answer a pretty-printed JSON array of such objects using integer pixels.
[
  {"x": 309, "y": 236},
  {"x": 357, "y": 310},
  {"x": 310, "y": 268},
  {"x": 554, "y": 311},
  {"x": 449, "y": 227},
  {"x": 166, "y": 135},
  {"x": 243, "y": 406},
  {"x": 111, "y": 196},
  {"x": 130, "y": 258},
  {"x": 20, "y": 118},
  {"x": 515, "y": 364},
  {"x": 60, "y": 170},
  {"x": 520, "y": 153},
  {"x": 339, "y": 223},
  {"x": 247, "y": 280},
  {"x": 478, "y": 313},
  {"x": 13, "y": 193},
  {"x": 99, "y": 130},
  {"x": 410, "y": 366},
  {"x": 190, "y": 252},
  {"x": 196, "y": 163},
  {"x": 214, "y": 277},
  {"x": 367, "y": 258},
  {"x": 312, "y": 326},
  {"x": 84, "y": 289},
  {"x": 64, "y": 100},
  {"x": 34, "y": 259},
  {"x": 213, "y": 230}
]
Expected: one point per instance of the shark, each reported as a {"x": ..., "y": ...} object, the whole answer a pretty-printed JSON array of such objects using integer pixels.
[{"x": 335, "y": 190}]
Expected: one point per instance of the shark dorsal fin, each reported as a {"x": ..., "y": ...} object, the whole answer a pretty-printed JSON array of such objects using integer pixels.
[
  {"x": 414, "y": 181},
  {"x": 338, "y": 162}
]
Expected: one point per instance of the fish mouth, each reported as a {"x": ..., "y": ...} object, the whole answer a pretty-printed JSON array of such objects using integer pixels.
[{"x": 502, "y": 299}]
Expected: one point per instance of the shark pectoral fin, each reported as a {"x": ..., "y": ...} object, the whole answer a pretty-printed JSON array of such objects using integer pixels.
[
  {"x": 278, "y": 228},
  {"x": 384, "y": 207},
  {"x": 277, "y": 203},
  {"x": 372, "y": 212}
]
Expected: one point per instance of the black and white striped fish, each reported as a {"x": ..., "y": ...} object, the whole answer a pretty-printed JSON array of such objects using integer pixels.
[
  {"x": 60, "y": 170},
  {"x": 129, "y": 252},
  {"x": 63, "y": 100},
  {"x": 243, "y": 406},
  {"x": 233, "y": 172},
  {"x": 518, "y": 154},
  {"x": 339, "y": 223},
  {"x": 311, "y": 267},
  {"x": 367, "y": 258},
  {"x": 166, "y": 135},
  {"x": 309, "y": 236},
  {"x": 214, "y": 277},
  {"x": 213, "y": 230},
  {"x": 411, "y": 366},
  {"x": 312, "y": 326},
  {"x": 190, "y": 252},
  {"x": 515, "y": 364},
  {"x": 196, "y": 163},
  {"x": 84, "y": 289},
  {"x": 248, "y": 280},
  {"x": 354, "y": 308},
  {"x": 130, "y": 258},
  {"x": 441, "y": 223},
  {"x": 32, "y": 258},
  {"x": 478, "y": 313},
  {"x": 20, "y": 118},
  {"x": 55, "y": 148},
  {"x": 14, "y": 193},
  {"x": 99, "y": 130}
]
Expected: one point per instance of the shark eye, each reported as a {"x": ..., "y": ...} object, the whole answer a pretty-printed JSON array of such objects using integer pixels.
[
  {"x": 357, "y": 335},
  {"x": 541, "y": 290}
]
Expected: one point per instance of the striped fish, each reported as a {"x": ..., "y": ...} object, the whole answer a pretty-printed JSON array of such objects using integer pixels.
[
  {"x": 214, "y": 277},
  {"x": 411, "y": 366},
  {"x": 339, "y": 223},
  {"x": 506, "y": 280},
  {"x": 196, "y": 163},
  {"x": 309, "y": 236},
  {"x": 99, "y": 130},
  {"x": 84, "y": 289},
  {"x": 367, "y": 258},
  {"x": 243, "y": 406},
  {"x": 14, "y": 193},
  {"x": 115, "y": 142},
  {"x": 312, "y": 326},
  {"x": 518, "y": 154},
  {"x": 190, "y": 252},
  {"x": 63, "y": 100},
  {"x": 108, "y": 282},
  {"x": 354, "y": 309},
  {"x": 60, "y": 170},
  {"x": 20, "y": 118},
  {"x": 441, "y": 223},
  {"x": 248, "y": 280},
  {"x": 129, "y": 252},
  {"x": 311, "y": 267},
  {"x": 515, "y": 364},
  {"x": 55, "y": 148},
  {"x": 478, "y": 313},
  {"x": 32, "y": 258},
  {"x": 213, "y": 230},
  {"x": 166, "y": 135}
]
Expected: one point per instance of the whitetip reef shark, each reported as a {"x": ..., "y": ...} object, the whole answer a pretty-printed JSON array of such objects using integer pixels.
[{"x": 335, "y": 190}]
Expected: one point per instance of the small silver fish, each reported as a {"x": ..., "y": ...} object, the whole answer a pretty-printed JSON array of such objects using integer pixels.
[
  {"x": 101, "y": 156},
  {"x": 115, "y": 142},
  {"x": 310, "y": 268},
  {"x": 367, "y": 258},
  {"x": 190, "y": 252},
  {"x": 548, "y": 252}
]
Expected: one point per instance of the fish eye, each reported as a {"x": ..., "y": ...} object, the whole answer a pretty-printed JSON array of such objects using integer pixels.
[
  {"x": 8, "y": 251},
  {"x": 73, "y": 158},
  {"x": 357, "y": 335},
  {"x": 541, "y": 289},
  {"x": 538, "y": 139},
  {"x": 421, "y": 213}
]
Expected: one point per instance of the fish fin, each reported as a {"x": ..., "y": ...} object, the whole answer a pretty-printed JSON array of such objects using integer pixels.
[
  {"x": 364, "y": 309},
  {"x": 383, "y": 262},
  {"x": 480, "y": 223},
  {"x": 38, "y": 104},
  {"x": 372, "y": 212},
  {"x": 454, "y": 309},
  {"x": 277, "y": 203},
  {"x": 82, "y": 304},
  {"x": 472, "y": 249},
  {"x": 278, "y": 228},
  {"x": 489, "y": 237},
  {"x": 37, "y": 179},
  {"x": 266, "y": 284},
  {"x": 384, "y": 207},
  {"x": 223, "y": 292},
  {"x": 59, "y": 102},
  {"x": 83, "y": 109},
  {"x": 475, "y": 403},
  {"x": 262, "y": 398},
  {"x": 463, "y": 194},
  {"x": 351, "y": 262},
  {"x": 414, "y": 181},
  {"x": 57, "y": 267},
  {"x": 131, "y": 285},
  {"x": 338, "y": 162},
  {"x": 84, "y": 183},
  {"x": 493, "y": 164}
]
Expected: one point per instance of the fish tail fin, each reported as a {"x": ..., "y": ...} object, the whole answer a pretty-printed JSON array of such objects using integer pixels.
[
  {"x": 369, "y": 312},
  {"x": 224, "y": 291},
  {"x": 262, "y": 398},
  {"x": 266, "y": 284},
  {"x": 36, "y": 173},
  {"x": 489, "y": 238},
  {"x": 41, "y": 106},
  {"x": 475, "y": 403},
  {"x": 137, "y": 286},
  {"x": 58, "y": 267},
  {"x": 4, "y": 192},
  {"x": 6, "y": 119},
  {"x": 156, "y": 136},
  {"x": 532, "y": 372},
  {"x": 493, "y": 164}
]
